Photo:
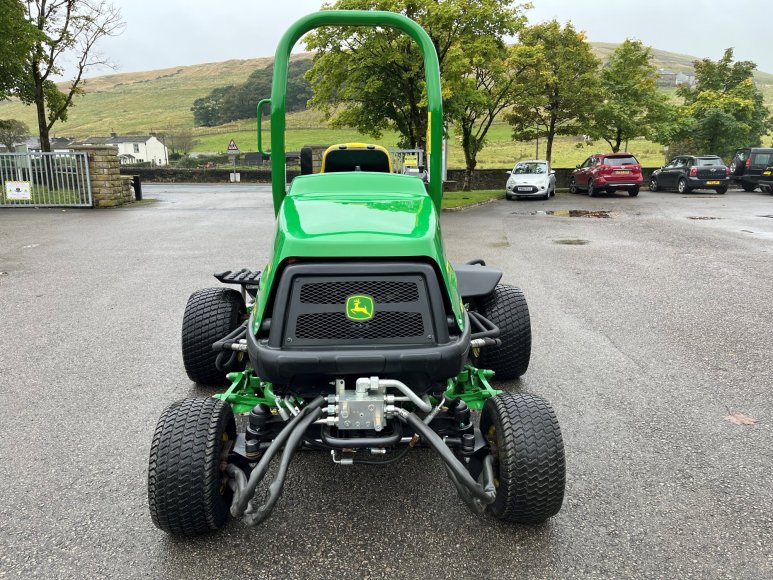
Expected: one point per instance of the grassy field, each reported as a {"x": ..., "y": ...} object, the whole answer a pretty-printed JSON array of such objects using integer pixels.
[
  {"x": 161, "y": 100},
  {"x": 307, "y": 128}
]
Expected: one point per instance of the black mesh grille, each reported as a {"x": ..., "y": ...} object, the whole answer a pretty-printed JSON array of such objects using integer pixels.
[
  {"x": 382, "y": 291},
  {"x": 336, "y": 326}
]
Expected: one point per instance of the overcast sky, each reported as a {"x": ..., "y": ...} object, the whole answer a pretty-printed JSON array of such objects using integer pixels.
[{"x": 168, "y": 33}]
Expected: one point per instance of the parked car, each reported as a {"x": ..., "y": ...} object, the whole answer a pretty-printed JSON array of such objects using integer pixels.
[
  {"x": 688, "y": 172},
  {"x": 748, "y": 164},
  {"x": 531, "y": 178},
  {"x": 607, "y": 172},
  {"x": 766, "y": 180}
]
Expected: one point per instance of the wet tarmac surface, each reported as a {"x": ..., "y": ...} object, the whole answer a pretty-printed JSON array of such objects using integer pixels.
[{"x": 646, "y": 339}]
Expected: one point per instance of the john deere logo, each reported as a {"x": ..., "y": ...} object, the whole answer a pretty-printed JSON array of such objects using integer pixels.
[{"x": 359, "y": 307}]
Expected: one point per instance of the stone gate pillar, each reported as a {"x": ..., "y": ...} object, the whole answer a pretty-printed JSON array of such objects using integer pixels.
[{"x": 108, "y": 187}]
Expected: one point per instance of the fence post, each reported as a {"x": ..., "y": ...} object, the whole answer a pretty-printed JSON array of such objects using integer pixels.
[{"x": 108, "y": 187}]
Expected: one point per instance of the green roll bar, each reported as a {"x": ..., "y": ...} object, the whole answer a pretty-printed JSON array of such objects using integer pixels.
[
  {"x": 354, "y": 18},
  {"x": 262, "y": 103}
]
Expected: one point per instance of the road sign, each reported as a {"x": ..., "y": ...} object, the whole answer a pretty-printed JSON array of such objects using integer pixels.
[{"x": 232, "y": 148}]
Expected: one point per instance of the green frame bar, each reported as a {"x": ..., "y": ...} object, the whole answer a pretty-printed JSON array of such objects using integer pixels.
[
  {"x": 355, "y": 18},
  {"x": 262, "y": 103}
]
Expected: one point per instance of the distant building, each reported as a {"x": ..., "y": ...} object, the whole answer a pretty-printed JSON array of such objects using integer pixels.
[
  {"x": 666, "y": 78},
  {"x": 669, "y": 78},
  {"x": 134, "y": 148},
  {"x": 60, "y": 143}
]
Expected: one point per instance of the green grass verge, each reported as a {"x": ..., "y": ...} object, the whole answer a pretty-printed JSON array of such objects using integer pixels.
[{"x": 454, "y": 199}]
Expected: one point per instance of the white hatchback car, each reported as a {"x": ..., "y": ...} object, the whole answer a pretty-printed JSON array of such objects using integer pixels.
[{"x": 531, "y": 178}]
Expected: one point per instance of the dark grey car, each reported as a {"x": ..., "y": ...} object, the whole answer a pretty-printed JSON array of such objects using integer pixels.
[
  {"x": 688, "y": 172},
  {"x": 748, "y": 164}
]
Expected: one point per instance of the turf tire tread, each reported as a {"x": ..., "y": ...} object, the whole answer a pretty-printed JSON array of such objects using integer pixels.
[
  {"x": 506, "y": 307},
  {"x": 183, "y": 471},
  {"x": 210, "y": 315},
  {"x": 531, "y": 463}
]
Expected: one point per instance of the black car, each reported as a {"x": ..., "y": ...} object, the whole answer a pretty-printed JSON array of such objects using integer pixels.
[
  {"x": 688, "y": 172},
  {"x": 766, "y": 180},
  {"x": 748, "y": 164}
]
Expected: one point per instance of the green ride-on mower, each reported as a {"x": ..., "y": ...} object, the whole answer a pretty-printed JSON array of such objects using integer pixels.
[{"x": 358, "y": 339}]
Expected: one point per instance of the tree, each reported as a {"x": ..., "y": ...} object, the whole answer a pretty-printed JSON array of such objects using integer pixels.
[
  {"x": 68, "y": 30},
  {"x": 17, "y": 37},
  {"x": 233, "y": 102},
  {"x": 179, "y": 141},
  {"x": 480, "y": 95},
  {"x": 373, "y": 80},
  {"x": 723, "y": 111},
  {"x": 560, "y": 93},
  {"x": 13, "y": 131},
  {"x": 632, "y": 104}
]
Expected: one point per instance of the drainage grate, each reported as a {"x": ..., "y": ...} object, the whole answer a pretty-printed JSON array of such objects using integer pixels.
[{"x": 702, "y": 217}]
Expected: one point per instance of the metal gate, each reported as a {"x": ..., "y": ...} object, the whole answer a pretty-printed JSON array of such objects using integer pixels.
[
  {"x": 36, "y": 179},
  {"x": 407, "y": 160}
]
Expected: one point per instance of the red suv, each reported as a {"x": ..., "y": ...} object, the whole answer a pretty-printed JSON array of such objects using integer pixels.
[{"x": 607, "y": 172}]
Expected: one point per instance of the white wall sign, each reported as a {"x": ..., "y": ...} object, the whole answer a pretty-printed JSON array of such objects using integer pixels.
[{"x": 18, "y": 190}]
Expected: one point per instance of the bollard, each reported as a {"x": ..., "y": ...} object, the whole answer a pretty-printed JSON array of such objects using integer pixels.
[{"x": 137, "y": 187}]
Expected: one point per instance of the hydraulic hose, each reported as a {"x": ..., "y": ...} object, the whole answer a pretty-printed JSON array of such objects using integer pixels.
[
  {"x": 406, "y": 390},
  {"x": 345, "y": 442},
  {"x": 389, "y": 460},
  {"x": 226, "y": 358},
  {"x": 244, "y": 489},
  {"x": 252, "y": 516},
  {"x": 486, "y": 493}
]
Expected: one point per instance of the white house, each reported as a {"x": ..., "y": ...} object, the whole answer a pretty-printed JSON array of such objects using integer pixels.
[{"x": 134, "y": 148}]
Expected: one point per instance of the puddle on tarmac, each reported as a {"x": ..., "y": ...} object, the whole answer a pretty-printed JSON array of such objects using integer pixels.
[
  {"x": 569, "y": 213},
  {"x": 571, "y": 242},
  {"x": 702, "y": 217}
]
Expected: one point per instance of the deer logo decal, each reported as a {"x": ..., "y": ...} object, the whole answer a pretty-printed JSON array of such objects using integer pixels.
[{"x": 359, "y": 307}]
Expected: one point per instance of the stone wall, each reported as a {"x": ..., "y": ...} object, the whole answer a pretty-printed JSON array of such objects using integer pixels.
[
  {"x": 108, "y": 187},
  {"x": 174, "y": 175},
  {"x": 481, "y": 178}
]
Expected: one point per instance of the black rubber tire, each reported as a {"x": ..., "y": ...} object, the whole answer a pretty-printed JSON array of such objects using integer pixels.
[
  {"x": 633, "y": 192},
  {"x": 722, "y": 190},
  {"x": 736, "y": 167},
  {"x": 591, "y": 189},
  {"x": 210, "y": 315},
  {"x": 529, "y": 465},
  {"x": 682, "y": 186},
  {"x": 506, "y": 307},
  {"x": 187, "y": 493},
  {"x": 748, "y": 187},
  {"x": 654, "y": 184},
  {"x": 508, "y": 197},
  {"x": 572, "y": 185}
]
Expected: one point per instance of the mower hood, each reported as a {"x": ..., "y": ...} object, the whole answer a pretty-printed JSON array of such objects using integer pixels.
[{"x": 357, "y": 214}]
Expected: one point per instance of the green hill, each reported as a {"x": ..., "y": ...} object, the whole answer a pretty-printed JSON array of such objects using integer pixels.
[
  {"x": 140, "y": 101},
  {"x": 669, "y": 60}
]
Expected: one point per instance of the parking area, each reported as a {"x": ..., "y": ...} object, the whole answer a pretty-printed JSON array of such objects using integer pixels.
[{"x": 652, "y": 322}]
